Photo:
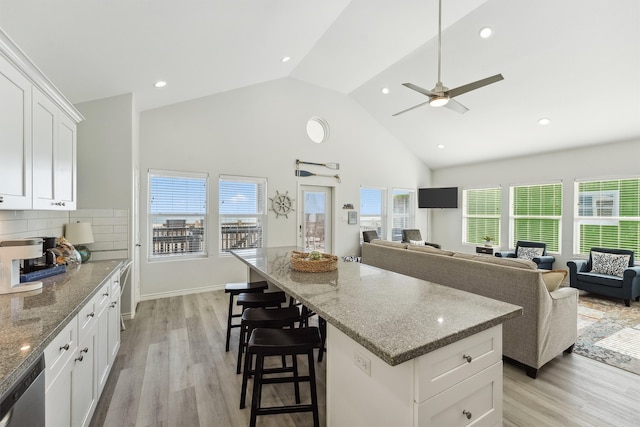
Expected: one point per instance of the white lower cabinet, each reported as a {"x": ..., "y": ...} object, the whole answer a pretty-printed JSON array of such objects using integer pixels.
[{"x": 79, "y": 359}]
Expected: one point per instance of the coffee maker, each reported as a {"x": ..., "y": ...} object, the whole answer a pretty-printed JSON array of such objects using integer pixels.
[
  {"x": 45, "y": 260},
  {"x": 12, "y": 252}
]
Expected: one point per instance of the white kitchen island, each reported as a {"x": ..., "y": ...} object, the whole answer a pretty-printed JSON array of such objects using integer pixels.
[{"x": 400, "y": 351}]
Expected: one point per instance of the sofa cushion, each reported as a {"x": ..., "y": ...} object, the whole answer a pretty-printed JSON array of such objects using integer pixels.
[
  {"x": 416, "y": 242},
  {"x": 398, "y": 245},
  {"x": 609, "y": 264},
  {"x": 430, "y": 250},
  {"x": 553, "y": 278},
  {"x": 600, "y": 279},
  {"x": 529, "y": 252}
]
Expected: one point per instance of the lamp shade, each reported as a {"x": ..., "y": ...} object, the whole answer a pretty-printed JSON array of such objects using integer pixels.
[{"x": 79, "y": 233}]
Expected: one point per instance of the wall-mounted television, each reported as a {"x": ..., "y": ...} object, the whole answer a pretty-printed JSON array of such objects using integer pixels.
[{"x": 443, "y": 197}]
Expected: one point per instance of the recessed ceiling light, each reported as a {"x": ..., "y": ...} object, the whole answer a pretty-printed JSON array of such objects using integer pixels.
[
  {"x": 385, "y": 90},
  {"x": 160, "y": 83},
  {"x": 286, "y": 59},
  {"x": 544, "y": 121},
  {"x": 440, "y": 146},
  {"x": 485, "y": 32}
]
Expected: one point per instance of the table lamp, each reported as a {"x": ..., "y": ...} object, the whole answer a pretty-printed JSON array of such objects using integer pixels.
[{"x": 78, "y": 234}]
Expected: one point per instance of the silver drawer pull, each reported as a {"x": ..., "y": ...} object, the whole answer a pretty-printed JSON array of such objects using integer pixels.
[
  {"x": 466, "y": 414},
  {"x": 64, "y": 347},
  {"x": 105, "y": 295},
  {"x": 85, "y": 350},
  {"x": 467, "y": 358},
  {"x": 79, "y": 358},
  {"x": 113, "y": 304},
  {"x": 91, "y": 314}
]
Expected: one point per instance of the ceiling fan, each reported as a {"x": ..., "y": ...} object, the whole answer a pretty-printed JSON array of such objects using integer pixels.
[{"x": 442, "y": 96}]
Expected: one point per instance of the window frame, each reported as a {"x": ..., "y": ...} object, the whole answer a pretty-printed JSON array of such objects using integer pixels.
[
  {"x": 261, "y": 217},
  {"x": 617, "y": 213},
  {"x": 410, "y": 215},
  {"x": 513, "y": 238},
  {"x": 204, "y": 253},
  {"x": 382, "y": 234},
  {"x": 484, "y": 216}
]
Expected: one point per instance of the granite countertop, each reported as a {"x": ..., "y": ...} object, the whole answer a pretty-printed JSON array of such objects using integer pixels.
[
  {"x": 31, "y": 320},
  {"x": 396, "y": 317}
]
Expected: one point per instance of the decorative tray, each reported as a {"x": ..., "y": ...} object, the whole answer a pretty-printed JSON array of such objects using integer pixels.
[{"x": 300, "y": 261}]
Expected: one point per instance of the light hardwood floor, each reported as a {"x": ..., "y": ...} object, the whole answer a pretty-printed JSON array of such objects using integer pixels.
[{"x": 172, "y": 370}]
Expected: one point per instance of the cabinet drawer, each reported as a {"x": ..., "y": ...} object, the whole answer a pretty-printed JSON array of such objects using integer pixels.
[
  {"x": 447, "y": 366},
  {"x": 87, "y": 317},
  {"x": 103, "y": 297},
  {"x": 477, "y": 401},
  {"x": 60, "y": 350}
]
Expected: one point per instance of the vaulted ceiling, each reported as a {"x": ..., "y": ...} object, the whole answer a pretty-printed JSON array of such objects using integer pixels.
[{"x": 576, "y": 62}]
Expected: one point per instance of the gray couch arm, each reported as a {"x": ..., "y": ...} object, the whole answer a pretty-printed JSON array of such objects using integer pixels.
[
  {"x": 631, "y": 277},
  {"x": 576, "y": 266},
  {"x": 505, "y": 254}
]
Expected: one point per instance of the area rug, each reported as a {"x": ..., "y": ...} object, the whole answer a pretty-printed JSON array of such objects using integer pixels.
[{"x": 609, "y": 332}]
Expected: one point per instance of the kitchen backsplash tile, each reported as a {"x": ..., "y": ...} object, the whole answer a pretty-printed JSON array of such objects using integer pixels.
[{"x": 110, "y": 228}]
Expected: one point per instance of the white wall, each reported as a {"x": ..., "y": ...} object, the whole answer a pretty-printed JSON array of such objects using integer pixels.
[
  {"x": 602, "y": 161},
  {"x": 260, "y": 131}
]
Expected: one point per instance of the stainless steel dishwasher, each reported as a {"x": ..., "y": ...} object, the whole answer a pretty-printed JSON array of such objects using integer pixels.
[{"x": 23, "y": 404}]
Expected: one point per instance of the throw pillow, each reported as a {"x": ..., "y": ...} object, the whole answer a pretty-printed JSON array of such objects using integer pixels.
[
  {"x": 553, "y": 278},
  {"x": 416, "y": 242},
  {"x": 611, "y": 264},
  {"x": 429, "y": 249},
  {"x": 529, "y": 253}
]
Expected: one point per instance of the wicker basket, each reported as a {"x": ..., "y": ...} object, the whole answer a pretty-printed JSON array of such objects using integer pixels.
[{"x": 301, "y": 262}]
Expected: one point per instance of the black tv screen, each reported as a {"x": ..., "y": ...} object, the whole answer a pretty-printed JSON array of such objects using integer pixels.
[{"x": 444, "y": 197}]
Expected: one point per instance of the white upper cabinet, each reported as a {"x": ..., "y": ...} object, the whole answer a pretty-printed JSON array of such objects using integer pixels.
[
  {"x": 54, "y": 156},
  {"x": 15, "y": 138},
  {"x": 37, "y": 136}
]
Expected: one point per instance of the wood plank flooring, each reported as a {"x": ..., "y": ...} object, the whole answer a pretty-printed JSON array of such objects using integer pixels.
[{"x": 172, "y": 370}]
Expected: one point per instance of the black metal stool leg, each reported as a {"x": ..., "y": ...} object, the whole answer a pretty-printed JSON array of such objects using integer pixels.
[
  {"x": 230, "y": 315},
  {"x": 257, "y": 390},
  {"x": 314, "y": 393}
]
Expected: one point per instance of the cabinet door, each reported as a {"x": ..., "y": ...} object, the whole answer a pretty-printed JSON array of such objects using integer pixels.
[
  {"x": 57, "y": 401},
  {"x": 84, "y": 381},
  {"x": 54, "y": 156},
  {"x": 114, "y": 320},
  {"x": 15, "y": 138},
  {"x": 103, "y": 365}
]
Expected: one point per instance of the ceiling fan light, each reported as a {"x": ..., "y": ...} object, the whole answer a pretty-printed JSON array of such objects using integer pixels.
[{"x": 439, "y": 101}]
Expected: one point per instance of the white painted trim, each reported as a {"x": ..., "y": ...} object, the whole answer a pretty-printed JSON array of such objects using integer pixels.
[{"x": 181, "y": 292}]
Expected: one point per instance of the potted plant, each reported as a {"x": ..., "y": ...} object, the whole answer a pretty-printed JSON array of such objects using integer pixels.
[{"x": 487, "y": 240}]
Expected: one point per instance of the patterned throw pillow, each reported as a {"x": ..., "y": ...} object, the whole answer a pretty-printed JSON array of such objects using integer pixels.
[
  {"x": 611, "y": 264},
  {"x": 416, "y": 242},
  {"x": 529, "y": 253}
]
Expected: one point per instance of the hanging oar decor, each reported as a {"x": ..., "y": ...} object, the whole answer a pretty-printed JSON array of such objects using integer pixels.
[
  {"x": 307, "y": 173},
  {"x": 334, "y": 166}
]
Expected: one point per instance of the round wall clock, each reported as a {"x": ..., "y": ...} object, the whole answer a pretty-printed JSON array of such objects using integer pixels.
[{"x": 282, "y": 204}]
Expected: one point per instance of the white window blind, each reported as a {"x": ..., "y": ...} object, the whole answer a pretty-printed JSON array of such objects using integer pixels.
[
  {"x": 403, "y": 212},
  {"x": 243, "y": 212},
  {"x": 607, "y": 215},
  {"x": 177, "y": 214},
  {"x": 373, "y": 210},
  {"x": 481, "y": 215},
  {"x": 536, "y": 213}
]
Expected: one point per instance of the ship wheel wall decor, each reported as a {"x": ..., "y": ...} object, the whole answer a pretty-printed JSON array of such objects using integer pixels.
[{"x": 282, "y": 204}]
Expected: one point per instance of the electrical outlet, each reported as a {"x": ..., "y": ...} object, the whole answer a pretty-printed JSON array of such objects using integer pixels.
[{"x": 362, "y": 362}]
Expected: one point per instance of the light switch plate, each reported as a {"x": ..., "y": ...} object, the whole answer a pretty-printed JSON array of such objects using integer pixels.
[{"x": 362, "y": 362}]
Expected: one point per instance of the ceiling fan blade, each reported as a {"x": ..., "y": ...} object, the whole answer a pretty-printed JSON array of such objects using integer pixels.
[
  {"x": 475, "y": 85},
  {"x": 409, "y": 109},
  {"x": 456, "y": 106},
  {"x": 418, "y": 89}
]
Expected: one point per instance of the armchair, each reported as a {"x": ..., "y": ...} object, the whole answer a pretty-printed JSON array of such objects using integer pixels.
[
  {"x": 369, "y": 235},
  {"x": 598, "y": 274},
  {"x": 409, "y": 234},
  {"x": 535, "y": 251}
]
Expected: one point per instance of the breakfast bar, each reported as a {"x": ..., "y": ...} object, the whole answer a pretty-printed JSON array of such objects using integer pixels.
[{"x": 431, "y": 354}]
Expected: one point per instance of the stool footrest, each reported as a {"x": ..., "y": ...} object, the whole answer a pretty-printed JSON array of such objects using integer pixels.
[
  {"x": 272, "y": 410},
  {"x": 283, "y": 380}
]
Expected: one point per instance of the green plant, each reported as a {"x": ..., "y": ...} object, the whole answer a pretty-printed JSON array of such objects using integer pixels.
[{"x": 487, "y": 238}]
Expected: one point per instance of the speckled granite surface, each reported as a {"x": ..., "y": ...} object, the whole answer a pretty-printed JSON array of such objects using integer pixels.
[
  {"x": 396, "y": 317},
  {"x": 34, "y": 318}
]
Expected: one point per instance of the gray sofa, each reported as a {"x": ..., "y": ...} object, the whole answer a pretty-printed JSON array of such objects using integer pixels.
[{"x": 548, "y": 325}]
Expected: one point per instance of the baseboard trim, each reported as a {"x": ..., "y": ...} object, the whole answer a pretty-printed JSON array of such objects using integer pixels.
[{"x": 181, "y": 292}]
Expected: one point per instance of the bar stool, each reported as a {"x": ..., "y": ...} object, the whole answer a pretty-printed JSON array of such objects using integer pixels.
[
  {"x": 257, "y": 300},
  {"x": 234, "y": 289},
  {"x": 253, "y": 318},
  {"x": 275, "y": 342}
]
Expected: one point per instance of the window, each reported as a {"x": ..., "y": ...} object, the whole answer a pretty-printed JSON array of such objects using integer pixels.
[
  {"x": 481, "y": 214},
  {"x": 177, "y": 214},
  {"x": 536, "y": 211},
  {"x": 607, "y": 215},
  {"x": 243, "y": 212},
  {"x": 372, "y": 210},
  {"x": 403, "y": 213}
]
